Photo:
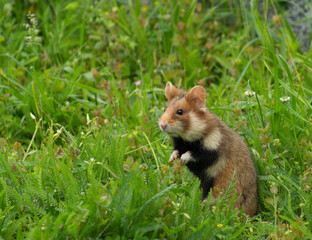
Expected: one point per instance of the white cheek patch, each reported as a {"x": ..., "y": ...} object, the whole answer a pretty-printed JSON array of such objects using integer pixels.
[
  {"x": 196, "y": 128},
  {"x": 216, "y": 168},
  {"x": 176, "y": 128},
  {"x": 169, "y": 128},
  {"x": 212, "y": 140}
]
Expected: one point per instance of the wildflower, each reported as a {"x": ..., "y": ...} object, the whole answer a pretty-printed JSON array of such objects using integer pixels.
[
  {"x": 220, "y": 225},
  {"x": 26, "y": 25},
  {"x": 38, "y": 39},
  {"x": 285, "y": 99},
  {"x": 32, "y": 38},
  {"x": 28, "y": 38},
  {"x": 138, "y": 82},
  {"x": 33, "y": 116},
  {"x": 33, "y": 21},
  {"x": 250, "y": 93}
]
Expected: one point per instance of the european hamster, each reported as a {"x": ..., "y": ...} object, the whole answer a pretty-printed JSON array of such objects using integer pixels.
[{"x": 210, "y": 149}]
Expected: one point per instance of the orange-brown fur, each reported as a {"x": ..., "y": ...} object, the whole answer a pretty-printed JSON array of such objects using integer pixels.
[{"x": 232, "y": 149}]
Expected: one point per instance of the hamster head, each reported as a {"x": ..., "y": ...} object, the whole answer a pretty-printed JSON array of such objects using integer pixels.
[{"x": 185, "y": 114}]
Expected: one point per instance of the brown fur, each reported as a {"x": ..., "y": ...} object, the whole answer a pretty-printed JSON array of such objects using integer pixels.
[
  {"x": 232, "y": 149},
  {"x": 239, "y": 160}
]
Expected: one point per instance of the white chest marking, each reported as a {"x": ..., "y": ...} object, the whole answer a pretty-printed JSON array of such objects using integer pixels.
[
  {"x": 216, "y": 168},
  {"x": 212, "y": 140}
]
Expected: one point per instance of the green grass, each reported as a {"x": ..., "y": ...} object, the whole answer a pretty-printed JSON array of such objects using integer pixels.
[{"x": 93, "y": 163}]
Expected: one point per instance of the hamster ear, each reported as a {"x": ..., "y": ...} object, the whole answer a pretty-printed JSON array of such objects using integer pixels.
[
  {"x": 197, "y": 95},
  {"x": 170, "y": 91}
]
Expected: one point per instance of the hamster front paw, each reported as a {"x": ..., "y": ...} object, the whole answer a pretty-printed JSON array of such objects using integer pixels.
[
  {"x": 186, "y": 157},
  {"x": 174, "y": 156}
]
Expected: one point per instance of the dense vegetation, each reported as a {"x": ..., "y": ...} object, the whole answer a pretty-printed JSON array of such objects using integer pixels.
[{"x": 81, "y": 89}]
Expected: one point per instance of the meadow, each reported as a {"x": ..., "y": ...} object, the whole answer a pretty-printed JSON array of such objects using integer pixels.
[{"x": 82, "y": 88}]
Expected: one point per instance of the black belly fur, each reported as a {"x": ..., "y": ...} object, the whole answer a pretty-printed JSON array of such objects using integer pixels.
[{"x": 204, "y": 158}]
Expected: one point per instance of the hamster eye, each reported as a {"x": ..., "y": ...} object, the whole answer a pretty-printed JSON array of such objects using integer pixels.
[
  {"x": 180, "y": 112},
  {"x": 165, "y": 109}
]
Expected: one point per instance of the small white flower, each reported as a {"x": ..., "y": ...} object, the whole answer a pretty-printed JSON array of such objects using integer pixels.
[
  {"x": 33, "y": 116},
  {"x": 92, "y": 159},
  {"x": 33, "y": 21},
  {"x": 59, "y": 131},
  {"x": 285, "y": 99},
  {"x": 38, "y": 39},
  {"x": 27, "y": 38},
  {"x": 250, "y": 93},
  {"x": 33, "y": 32}
]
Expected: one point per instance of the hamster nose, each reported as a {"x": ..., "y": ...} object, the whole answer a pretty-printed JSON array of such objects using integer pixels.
[{"x": 163, "y": 125}]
